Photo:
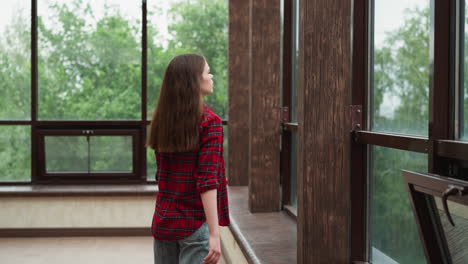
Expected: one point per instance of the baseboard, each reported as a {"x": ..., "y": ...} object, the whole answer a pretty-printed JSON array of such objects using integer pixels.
[{"x": 74, "y": 232}]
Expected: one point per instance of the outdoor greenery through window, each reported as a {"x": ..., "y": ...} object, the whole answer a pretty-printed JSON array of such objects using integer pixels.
[
  {"x": 401, "y": 66},
  {"x": 399, "y": 89},
  {"x": 90, "y": 68},
  {"x": 180, "y": 26},
  {"x": 89, "y": 60},
  {"x": 394, "y": 236},
  {"x": 15, "y": 153}
]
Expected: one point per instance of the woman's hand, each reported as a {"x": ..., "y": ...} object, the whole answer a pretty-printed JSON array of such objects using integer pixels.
[{"x": 215, "y": 250}]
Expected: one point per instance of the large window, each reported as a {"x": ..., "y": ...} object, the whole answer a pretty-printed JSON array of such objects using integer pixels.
[
  {"x": 79, "y": 82},
  {"x": 409, "y": 78}
]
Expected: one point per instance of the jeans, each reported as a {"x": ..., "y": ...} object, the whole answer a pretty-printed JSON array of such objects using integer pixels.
[{"x": 190, "y": 250}]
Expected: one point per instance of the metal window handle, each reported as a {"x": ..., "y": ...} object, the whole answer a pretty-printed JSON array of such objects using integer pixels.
[{"x": 451, "y": 190}]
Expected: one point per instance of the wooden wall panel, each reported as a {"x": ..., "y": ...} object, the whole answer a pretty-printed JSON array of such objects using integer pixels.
[
  {"x": 238, "y": 92},
  {"x": 324, "y": 131},
  {"x": 264, "y": 121}
]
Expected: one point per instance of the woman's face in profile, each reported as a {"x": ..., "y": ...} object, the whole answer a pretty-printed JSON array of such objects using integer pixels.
[{"x": 206, "y": 81}]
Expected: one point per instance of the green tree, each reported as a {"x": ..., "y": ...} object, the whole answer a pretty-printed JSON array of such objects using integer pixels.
[
  {"x": 401, "y": 69},
  {"x": 201, "y": 26}
]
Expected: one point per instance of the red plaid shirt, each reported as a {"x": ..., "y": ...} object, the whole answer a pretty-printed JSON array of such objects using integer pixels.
[{"x": 183, "y": 176}]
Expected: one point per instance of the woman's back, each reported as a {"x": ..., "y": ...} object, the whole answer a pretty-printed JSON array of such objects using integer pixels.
[{"x": 183, "y": 176}]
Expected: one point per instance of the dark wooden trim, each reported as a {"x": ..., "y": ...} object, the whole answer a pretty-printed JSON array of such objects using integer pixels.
[
  {"x": 34, "y": 61},
  {"x": 285, "y": 156},
  {"x": 397, "y": 141},
  {"x": 144, "y": 97},
  {"x": 75, "y": 232},
  {"x": 34, "y": 83},
  {"x": 452, "y": 149},
  {"x": 441, "y": 82},
  {"x": 23, "y": 190},
  {"x": 359, "y": 175}
]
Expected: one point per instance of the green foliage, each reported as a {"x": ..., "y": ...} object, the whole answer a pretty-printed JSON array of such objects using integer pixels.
[
  {"x": 393, "y": 225},
  {"x": 201, "y": 27},
  {"x": 401, "y": 69}
]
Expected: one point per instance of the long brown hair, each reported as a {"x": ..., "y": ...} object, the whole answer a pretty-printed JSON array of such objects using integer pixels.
[{"x": 174, "y": 126}]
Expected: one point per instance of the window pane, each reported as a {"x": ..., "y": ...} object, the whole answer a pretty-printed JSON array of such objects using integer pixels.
[
  {"x": 393, "y": 231},
  {"x": 15, "y": 153},
  {"x": 15, "y": 60},
  {"x": 89, "y": 59},
  {"x": 456, "y": 236},
  {"x": 400, "y": 76},
  {"x": 150, "y": 164},
  {"x": 111, "y": 154},
  {"x": 176, "y": 27},
  {"x": 66, "y": 154}
]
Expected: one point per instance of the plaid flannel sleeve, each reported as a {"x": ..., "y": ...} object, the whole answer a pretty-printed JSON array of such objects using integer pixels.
[{"x": 210, "y": 156}]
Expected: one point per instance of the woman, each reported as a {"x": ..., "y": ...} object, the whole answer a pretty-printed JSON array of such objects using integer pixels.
[{"x": 187, "y": 138}]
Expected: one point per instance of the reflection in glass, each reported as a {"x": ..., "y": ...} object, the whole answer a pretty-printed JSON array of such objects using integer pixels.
[
  {"x": 15, "y": 153},
  {"x": 66, "y": 154},
  {"x": 89, "y": 59},
  {"x": 456, "y": 236},
  {"x": 15, "y": 60},
  {"x": 393, "y": 232},
  {"x": 176, "y": 27},
  {"x": 400, "y": 80},
  {"x": 111, "y": 154}
]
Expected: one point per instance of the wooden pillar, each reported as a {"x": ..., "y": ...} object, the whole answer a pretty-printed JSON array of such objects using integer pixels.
[
  {"x": 238, "y": 92},
  {"x": 324, "y": 131},
  {"x": 264, "y": 106}
]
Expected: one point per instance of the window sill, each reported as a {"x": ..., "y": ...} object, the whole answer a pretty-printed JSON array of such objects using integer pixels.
[
  {"x": 263, "y": 237},
  {"x": 31, "y": 190}
]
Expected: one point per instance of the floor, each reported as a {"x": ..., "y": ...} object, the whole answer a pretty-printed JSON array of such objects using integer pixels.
[
  {"x": 272, "y": 236},
  {"x": 77, "y": 250}
]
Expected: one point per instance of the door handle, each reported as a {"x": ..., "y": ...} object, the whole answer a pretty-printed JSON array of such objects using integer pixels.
[{"x": 451, "y": 190}]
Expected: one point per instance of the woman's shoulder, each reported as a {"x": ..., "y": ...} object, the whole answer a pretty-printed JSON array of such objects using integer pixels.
[{"x": 209, "y": 117}]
